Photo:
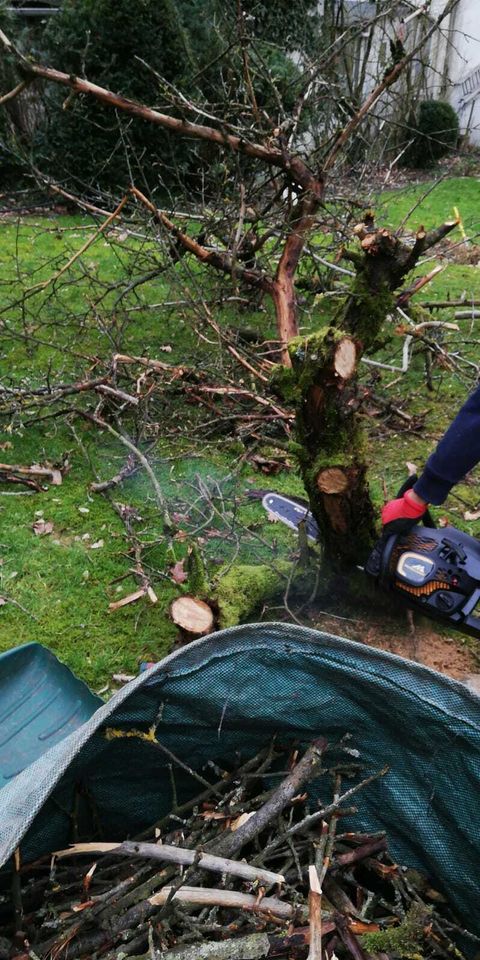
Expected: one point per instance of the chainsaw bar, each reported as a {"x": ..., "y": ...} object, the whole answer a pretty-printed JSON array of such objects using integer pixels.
[{"x": 291, "y": 513}]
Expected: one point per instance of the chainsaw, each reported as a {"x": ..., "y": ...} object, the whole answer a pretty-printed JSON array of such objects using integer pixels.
[{"x": 436, "y": 572}]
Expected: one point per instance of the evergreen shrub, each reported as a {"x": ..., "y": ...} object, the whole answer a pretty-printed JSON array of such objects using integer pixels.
[{"x": 435, "y": 134}]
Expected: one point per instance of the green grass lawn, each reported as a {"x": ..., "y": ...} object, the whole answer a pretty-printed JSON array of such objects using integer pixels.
[
  {"x": 57, "y": 587},
  {"x": 432, "y": 203}
]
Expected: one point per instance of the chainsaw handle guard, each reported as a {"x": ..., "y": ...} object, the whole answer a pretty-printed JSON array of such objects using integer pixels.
[
  {"x": 378, "y": 562},
  {"x": 410, "y": 482}
]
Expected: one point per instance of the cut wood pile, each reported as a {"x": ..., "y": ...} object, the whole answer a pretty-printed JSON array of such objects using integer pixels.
[{"x": 252, "y": 867}]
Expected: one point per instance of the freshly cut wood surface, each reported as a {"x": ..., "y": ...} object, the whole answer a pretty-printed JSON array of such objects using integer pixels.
[
  {"x": 332, "y": 480},
  {"x": 345, "y": 358},
  {"x": 192, "y": 615}
]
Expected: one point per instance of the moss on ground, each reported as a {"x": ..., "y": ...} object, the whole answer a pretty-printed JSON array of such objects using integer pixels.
[
  {"x": 406, "y": 940},
  {"x": 243, "y": 589}
]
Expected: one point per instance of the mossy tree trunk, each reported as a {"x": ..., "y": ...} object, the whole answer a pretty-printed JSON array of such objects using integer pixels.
[{"x": 331, "y": 447}]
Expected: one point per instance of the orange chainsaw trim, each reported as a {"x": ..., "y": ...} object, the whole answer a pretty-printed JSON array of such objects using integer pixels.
[{"x": 426, "y": 590}]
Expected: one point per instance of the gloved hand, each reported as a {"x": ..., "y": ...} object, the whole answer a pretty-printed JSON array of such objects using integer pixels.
[{"x": 399, "y": 516}]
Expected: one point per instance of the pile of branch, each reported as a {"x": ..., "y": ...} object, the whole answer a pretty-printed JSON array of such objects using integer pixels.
[
  {"x": 138, "y": 386},
  {"x": 244, "y": 870}
]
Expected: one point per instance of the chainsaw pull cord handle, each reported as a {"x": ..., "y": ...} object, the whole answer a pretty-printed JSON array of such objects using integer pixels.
[{"x": 410, "y": 482}]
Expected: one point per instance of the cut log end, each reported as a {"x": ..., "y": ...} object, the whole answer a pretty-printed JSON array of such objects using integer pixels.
[
  {"x": 332, "y": 480},
  {"x": 345, "y": 360},
  {"x": 192, "y": 616}
]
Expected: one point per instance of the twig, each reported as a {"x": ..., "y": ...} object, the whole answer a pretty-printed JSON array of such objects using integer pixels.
[
  {"x": 201, "y": 896},
  {"x": 171, "y": 854},
  {"x": 15, "y": 92},
  {"x": 161, "y": 502},
  {"x": 315, "y": 915},
  {"x": 128, "y": 469},
  {"x": 240, "y": 948},
  {"x": 306, "y": 770}
]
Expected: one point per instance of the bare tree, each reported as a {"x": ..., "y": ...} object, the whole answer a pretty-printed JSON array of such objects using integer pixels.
[{"x": 281, "y": 192}]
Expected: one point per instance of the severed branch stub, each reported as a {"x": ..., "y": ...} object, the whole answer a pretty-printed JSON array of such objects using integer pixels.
[{"x": 332, "y": 480}]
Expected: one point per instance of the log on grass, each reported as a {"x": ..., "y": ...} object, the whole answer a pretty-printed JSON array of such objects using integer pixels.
[{"x": 193, "y": 616}]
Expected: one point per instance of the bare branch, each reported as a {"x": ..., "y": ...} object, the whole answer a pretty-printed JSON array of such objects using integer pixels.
[
  {"x": 216, "y": 258},
  {"x": 14, "y": 93},
  {"x": 273, "y": 156}
]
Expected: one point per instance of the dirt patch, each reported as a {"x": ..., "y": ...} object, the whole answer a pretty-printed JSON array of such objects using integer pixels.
[{"x": 409, "y": 638}]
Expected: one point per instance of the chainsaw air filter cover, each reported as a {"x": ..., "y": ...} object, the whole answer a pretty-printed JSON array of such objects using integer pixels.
[{"x": 436, "y": 571}]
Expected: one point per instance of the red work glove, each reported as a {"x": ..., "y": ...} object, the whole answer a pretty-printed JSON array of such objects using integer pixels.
[{"x": 399, "y": 516}]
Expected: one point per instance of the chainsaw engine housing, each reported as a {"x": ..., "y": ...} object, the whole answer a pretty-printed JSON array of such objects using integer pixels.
[{"x": 435, "y": 571}]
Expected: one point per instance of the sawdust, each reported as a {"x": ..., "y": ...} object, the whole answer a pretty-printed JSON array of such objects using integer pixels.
[{"x": 412, "y": 639}]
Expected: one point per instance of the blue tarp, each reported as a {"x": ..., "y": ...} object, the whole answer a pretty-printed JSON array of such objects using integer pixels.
[{"x": 228, "y": 694}]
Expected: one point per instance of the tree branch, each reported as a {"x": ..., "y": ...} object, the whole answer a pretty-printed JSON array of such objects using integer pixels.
[
  {"x": 216, "y": 258},
  {"x": 14, "y": 93},
  {"x": 273, "y": 156}
]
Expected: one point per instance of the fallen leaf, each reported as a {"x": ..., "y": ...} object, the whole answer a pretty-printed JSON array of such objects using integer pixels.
[
  {"x": 3, "y": 601},
  {"x": 181, "y": 535},
  {"x": 42, "y": 528},
  {"x": 7, "y": 445},
  {"x": 166, "y": 349},
  {"x": 83, "y": 510},
  {"x": 177, "y": 572},
  {"x": 443, "y": 522},
  {"x": 471, "y": 515},
  {"x": 97, "y": 545},
  {"x": 272, "y": 517}
]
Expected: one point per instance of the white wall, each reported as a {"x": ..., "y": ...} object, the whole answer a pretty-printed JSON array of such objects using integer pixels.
[
  {"x": 453, "y": 73},
  {"x": 464, "y": 66}
]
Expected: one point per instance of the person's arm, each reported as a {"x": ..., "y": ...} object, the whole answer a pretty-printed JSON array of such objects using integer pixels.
[
  {"x": 455, "y": 455},
  {"x": 457, "y": 452}
]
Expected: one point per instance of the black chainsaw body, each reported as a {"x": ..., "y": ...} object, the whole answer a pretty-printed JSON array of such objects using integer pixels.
[{"x": 434, "y": 571}]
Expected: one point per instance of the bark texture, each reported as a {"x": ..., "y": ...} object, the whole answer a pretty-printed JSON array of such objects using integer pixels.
[{"x": 330, "y": 445}]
